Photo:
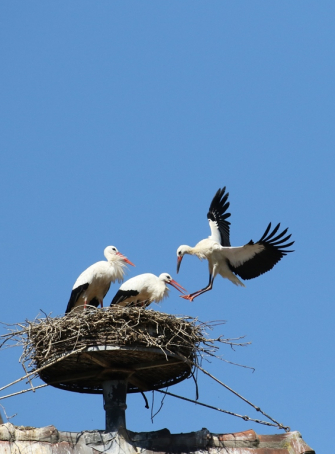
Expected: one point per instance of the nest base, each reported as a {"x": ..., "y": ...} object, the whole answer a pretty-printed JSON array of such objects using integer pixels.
[{"x": 144, "y": 368}]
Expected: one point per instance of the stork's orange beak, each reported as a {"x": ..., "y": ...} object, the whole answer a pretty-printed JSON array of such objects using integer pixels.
[
  {"x": 176, "y": 286},
  {"x": 125, "y": 258},
  {"x": 179, "y": 259}
]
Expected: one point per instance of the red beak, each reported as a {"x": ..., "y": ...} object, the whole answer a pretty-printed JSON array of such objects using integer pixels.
[
  {"x": 124, "y": 258},
  {"x": 176, "y": 286},
  {"x": 179, "y": 259}
]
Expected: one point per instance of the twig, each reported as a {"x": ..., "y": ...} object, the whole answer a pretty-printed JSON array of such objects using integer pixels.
[
  {"x": 24, "y": 391},
  {"x": 6, "y": 416},
  {"x": 152, "y": 405},
  {"x": 31, "y": 384}
]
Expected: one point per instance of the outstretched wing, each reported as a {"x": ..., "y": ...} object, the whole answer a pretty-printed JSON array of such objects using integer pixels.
[
  {"x": 254, "y": 259},
  {"x": 217, "y": 218},
  {"x": 75, "y": 294}
]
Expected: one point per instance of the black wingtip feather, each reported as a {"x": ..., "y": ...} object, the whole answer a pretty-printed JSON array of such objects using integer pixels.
[
  {"x": 274, "y": 242},
  {"x": 266, "y": 232},
  {"x": 217, "y": 213},
  {"x": 274, "y": 231},
  {"x": 278, "y": 236}
]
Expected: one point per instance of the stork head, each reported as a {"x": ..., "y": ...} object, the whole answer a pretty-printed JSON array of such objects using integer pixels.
[
  {"x": 112, "y": 254},
  {"x": 165, "y": 277},
  {"x": 181, "y": 251}
]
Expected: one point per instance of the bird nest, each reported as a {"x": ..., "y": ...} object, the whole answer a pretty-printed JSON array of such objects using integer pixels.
[{"x": 81, "y": 350}]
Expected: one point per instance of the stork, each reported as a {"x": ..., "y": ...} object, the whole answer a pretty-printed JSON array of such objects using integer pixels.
[
  {"x": 248, "y": 261},
  {"x": 93, "y": 283},
  {"x": 142, "y": 290}
]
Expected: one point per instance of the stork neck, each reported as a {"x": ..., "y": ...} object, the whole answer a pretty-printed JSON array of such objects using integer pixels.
[{"x": 190, "y": 250}]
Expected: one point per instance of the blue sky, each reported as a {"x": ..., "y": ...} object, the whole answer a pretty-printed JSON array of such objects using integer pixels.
[{"x": 119, "y": 121}]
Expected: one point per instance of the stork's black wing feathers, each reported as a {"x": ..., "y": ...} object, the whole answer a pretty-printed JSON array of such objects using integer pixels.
[
  {"x": 122, "y": 295},
  {"x": 217, "y": 213},
  {"x": 265, "y": 233},
  {"x": 75, "y": 294},
  {"x": 274, "y": 250}
]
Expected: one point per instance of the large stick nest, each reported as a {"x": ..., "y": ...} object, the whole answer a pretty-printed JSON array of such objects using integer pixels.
[{"x": 97, "y": 342}]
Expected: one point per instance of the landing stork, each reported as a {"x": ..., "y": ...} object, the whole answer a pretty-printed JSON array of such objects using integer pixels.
[
  {"x": 248, "y": 261},
  {"x": 93, "y": 283},
  {"x": 142, "y": 290}
]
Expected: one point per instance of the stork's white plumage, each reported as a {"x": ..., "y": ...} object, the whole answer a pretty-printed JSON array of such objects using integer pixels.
[
  {"x": 93, "y": 283},
  {"x": 142, "y": 290},
  {"x": 248, "y": 261}
]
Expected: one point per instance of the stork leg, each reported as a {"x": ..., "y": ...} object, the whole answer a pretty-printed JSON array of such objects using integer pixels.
[
  {"x": 101, "y": 304},
  {"x": 199, "y": 292},
  {"x": 85, "y": 303}
]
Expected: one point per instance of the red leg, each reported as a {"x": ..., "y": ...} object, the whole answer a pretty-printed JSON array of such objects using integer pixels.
[{"x": 199, "y": 292}]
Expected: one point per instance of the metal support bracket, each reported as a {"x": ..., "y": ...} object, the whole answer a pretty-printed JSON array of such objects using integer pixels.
[{"x": 115, "y": 395}]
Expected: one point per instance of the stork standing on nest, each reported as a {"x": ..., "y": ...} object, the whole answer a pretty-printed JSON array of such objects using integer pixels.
[
  {"x": 142, "y": 290},
  {"x": 93, "y": 284},
  {"x": 248, "y": 261}
]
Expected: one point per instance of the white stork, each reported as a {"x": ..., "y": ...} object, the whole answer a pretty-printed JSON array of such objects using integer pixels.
[
  {"x": 142, "y": 290},
  {"x": 248, "y": 261},
  {"x": 93, "y": 283}
]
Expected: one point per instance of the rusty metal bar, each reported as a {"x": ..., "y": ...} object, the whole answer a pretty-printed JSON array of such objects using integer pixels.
[{"x": 115, "y": 395}]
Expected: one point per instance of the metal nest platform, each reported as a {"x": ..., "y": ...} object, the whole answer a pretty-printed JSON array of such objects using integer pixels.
[
  {"x": 84, "y": 349},
  {"x": 144, "y": 368}
]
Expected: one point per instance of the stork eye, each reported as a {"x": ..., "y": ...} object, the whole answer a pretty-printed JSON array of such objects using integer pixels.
[{"x": 179, "y": 253}]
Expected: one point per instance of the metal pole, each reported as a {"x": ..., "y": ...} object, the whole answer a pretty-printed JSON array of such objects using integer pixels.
[{"x": 115, "y": 395}]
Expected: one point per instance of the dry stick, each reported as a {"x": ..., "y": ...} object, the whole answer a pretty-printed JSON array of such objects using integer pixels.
[
  {"x": 286, "y": 428},
  {"x": 6, "y": 416},
  {"x": 31, "y": 384},
  {"x": 41, "y": 368},
  {"x": 246, "y": 418},
  {"x": 23, "y": 391}
]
